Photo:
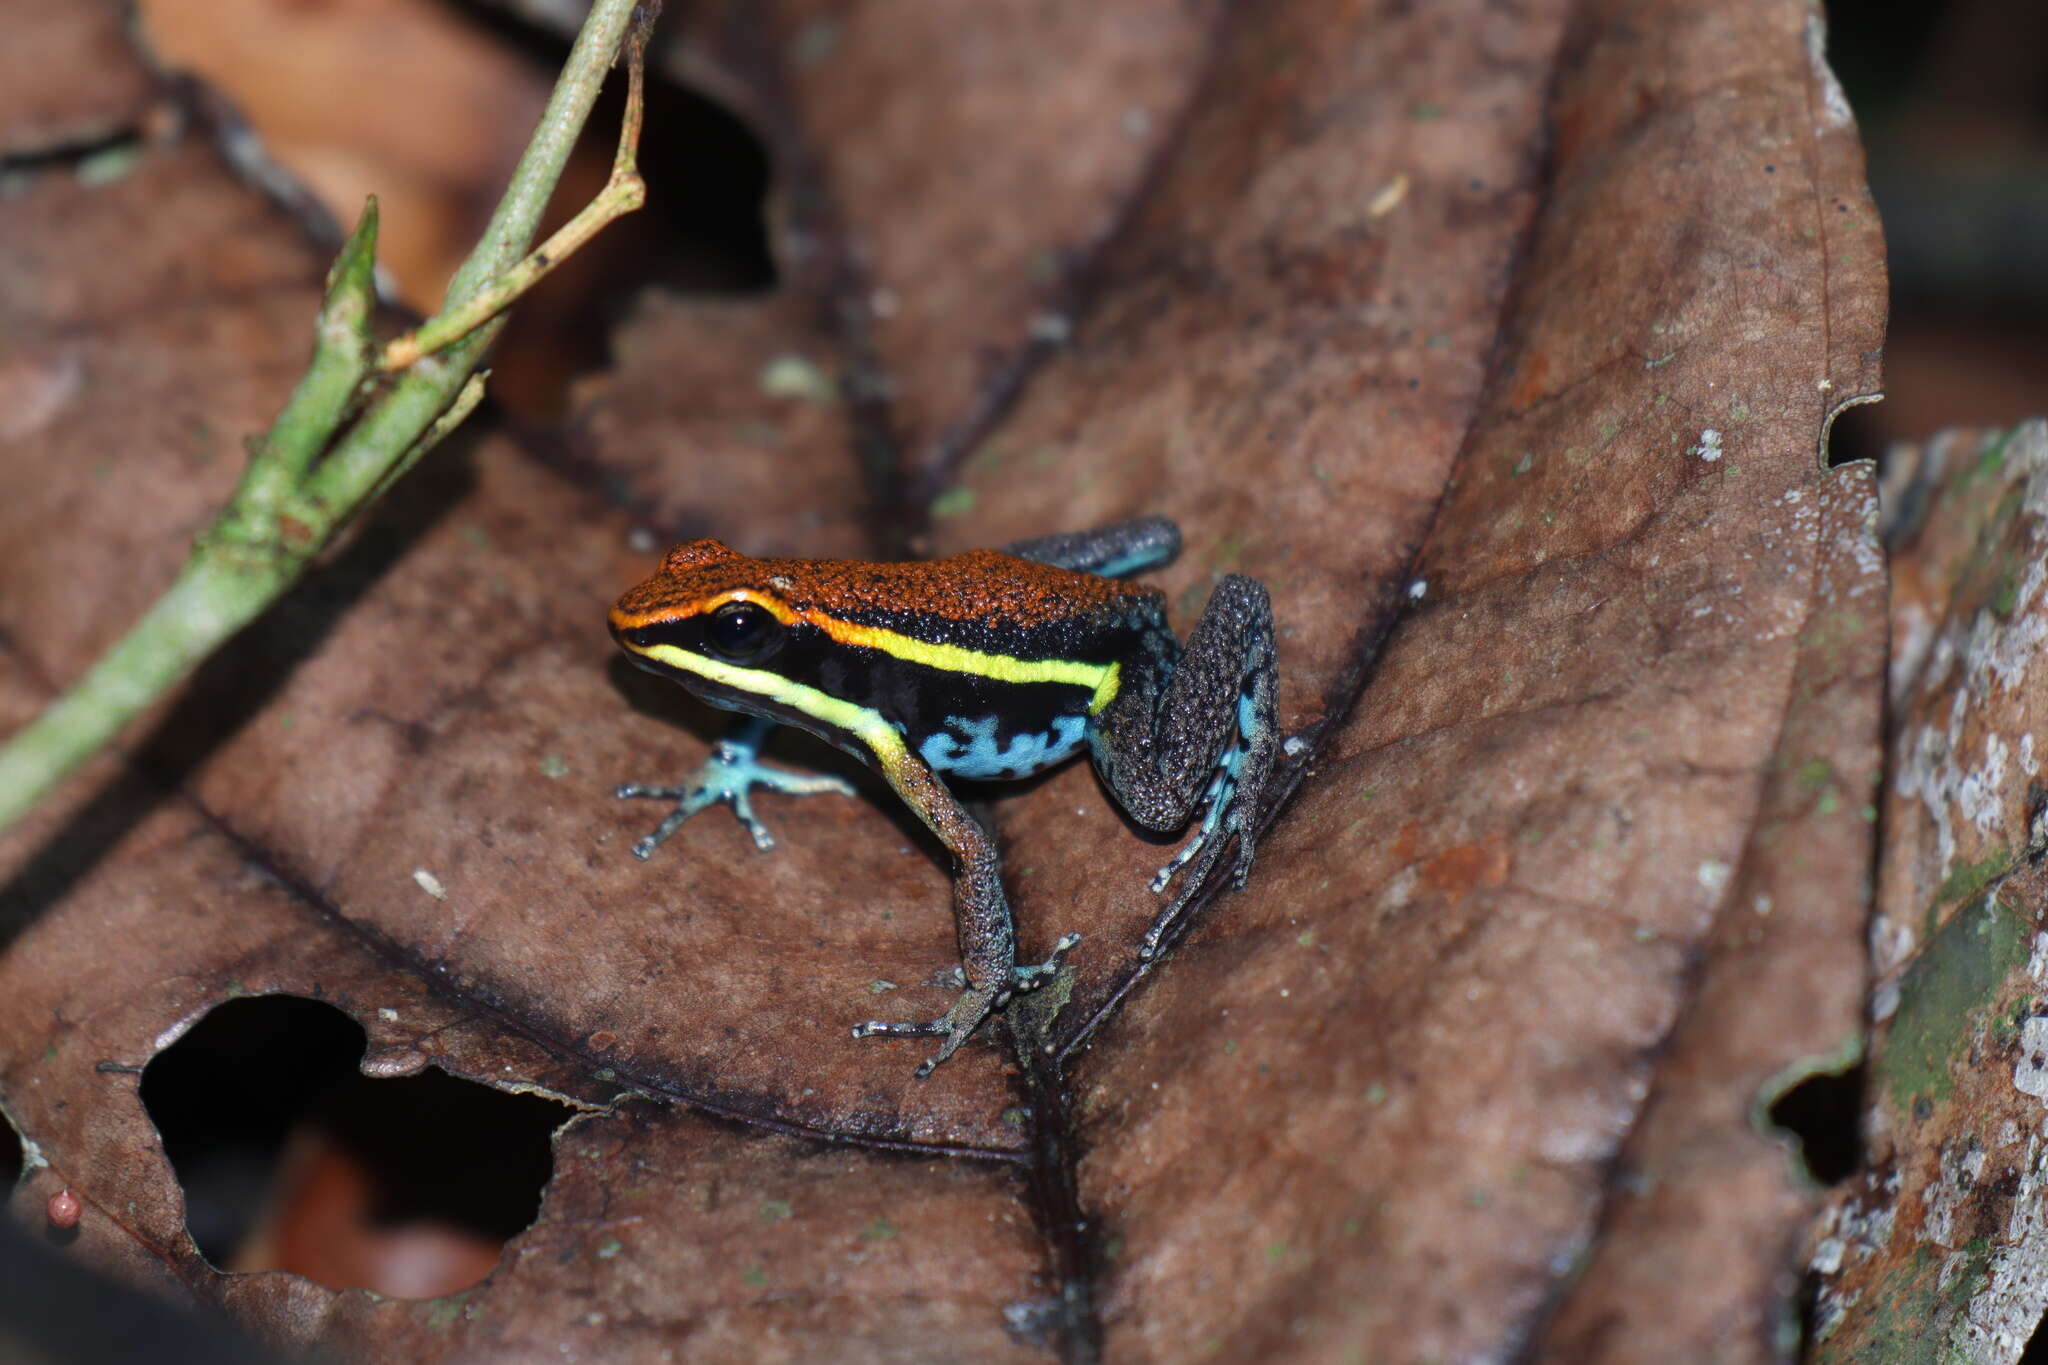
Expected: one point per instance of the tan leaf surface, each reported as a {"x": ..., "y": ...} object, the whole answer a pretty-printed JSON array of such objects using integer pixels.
[{"x": 1500, "y": 344}]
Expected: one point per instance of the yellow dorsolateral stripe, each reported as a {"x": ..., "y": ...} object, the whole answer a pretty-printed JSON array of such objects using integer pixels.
[
  {"x": 952, "y": 658},
  {"x": 865, "y": 723},
  {"x": 956, "y": 659},
  {"x": 1100, "y": 679}
]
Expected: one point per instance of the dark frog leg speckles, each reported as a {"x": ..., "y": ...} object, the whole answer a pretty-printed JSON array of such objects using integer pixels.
[{"x": 1204, "y": 741}]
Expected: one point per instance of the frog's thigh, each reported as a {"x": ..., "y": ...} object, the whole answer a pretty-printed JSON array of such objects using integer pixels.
[{"x": 1201, "y": 711}]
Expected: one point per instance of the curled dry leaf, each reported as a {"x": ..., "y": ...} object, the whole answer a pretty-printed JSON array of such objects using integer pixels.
[
  {"x": 1936, "y": 1252},
  {"x": 1499, "y": 343}
]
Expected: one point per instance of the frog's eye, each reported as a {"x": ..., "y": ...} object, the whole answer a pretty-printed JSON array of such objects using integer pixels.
[{"x": 740, "y": 630}]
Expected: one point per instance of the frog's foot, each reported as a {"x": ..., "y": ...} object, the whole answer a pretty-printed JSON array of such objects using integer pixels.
[
  {"x": 975, "y": 1004},
  {"x": 1222, "y": 820},
  {"x": 1207, "y": 838},
  {"x": 729, "y": 776}
]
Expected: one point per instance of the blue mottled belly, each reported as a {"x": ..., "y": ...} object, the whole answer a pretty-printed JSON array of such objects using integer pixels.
[{"x": 981, "y": 748}]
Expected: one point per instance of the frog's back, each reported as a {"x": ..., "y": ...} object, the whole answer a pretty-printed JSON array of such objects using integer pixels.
[
  {"x": 981, "y": 600},
  {"x": 988, "y": 665}
]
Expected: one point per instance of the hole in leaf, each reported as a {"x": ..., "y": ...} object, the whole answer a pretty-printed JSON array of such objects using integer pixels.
[
  {"x": 707, "y": 173},
  {"x": 11, "y": 1157},
  {"x": 292, "y": 1159},
  {"x": 1823, "y": 1114},
  {"x": 708, "y": 178},
  {"x": 2037, "y": 1346},
  {"x": 1858, "y": 433},
  {"x": 703, "y": 231}
]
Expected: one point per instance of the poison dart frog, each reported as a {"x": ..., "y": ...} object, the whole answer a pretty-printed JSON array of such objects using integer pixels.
[{"x": 994, "y": 664}]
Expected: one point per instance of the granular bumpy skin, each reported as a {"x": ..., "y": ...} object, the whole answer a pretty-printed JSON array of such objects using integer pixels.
[
  {"x": 1165, "y": 728},
  {"x": 966, "y": 589}
]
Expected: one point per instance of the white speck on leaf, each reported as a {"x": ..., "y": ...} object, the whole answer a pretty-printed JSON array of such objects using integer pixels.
[
  {"x": 1827, "y": 1257},
  {"x": 33, "y": 391},
  {"x": 794, "y": 376},
  {"x": 1398, "y": 891},
  {"x": 2030, "y": 1073},
  {"x": 1389, "y": 197},
  {"x": 1055, "y": 329}
]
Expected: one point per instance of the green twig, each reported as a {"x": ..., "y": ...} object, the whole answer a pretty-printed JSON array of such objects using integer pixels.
[
  {"x": 623, "y": 193},
  {"x": 308, "y": 476}
]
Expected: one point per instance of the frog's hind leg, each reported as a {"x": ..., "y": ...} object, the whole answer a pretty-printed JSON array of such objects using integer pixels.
[
  {"x": 1203, "y": 743},
  {"x": 981, "y": 914},
  {"x": 732, "y": 771},
  {"x": 1115, "y": 551}
]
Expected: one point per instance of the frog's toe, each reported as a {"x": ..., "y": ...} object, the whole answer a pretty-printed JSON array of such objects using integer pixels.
[
  {"x": 743, "y": 811},
  {"x": 800, "y": 784},
  {"x": 689, "y": 800},
  {"x": 1246, "y": 849},
  {"x": 728, "y": 777},
  {"x": 894, "y": 1028},
  {"x": 1031, "y": 977},
  {"x": 1189, "y": 851},
  {"x": 956, "y": 1026},
  {"x": 628, "y": 791}
]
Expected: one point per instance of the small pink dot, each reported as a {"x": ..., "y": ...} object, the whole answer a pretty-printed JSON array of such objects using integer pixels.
[{"x": 64, "y": 1209}]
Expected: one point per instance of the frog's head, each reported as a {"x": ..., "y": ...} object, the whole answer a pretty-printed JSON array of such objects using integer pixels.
[
  {"x": 742, "y": 634},
  {"x": 706, "y": 601}
]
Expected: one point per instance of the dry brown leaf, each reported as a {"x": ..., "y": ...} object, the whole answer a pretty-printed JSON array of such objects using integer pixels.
[
  {"x": 1501, "y": 344},
  {"x": 1936, "y": 1251},
  {"x": 951, "y": 177},
  {"x": 67, "y": 78},
  {"x": 397, "y": 98}
]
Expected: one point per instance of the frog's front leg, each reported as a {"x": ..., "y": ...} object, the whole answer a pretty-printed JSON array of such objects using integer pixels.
[
  {"x": 981, "y": 914},
  {"x": 1205, "y": 741},
  {"x": 732, "y": 771}
]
